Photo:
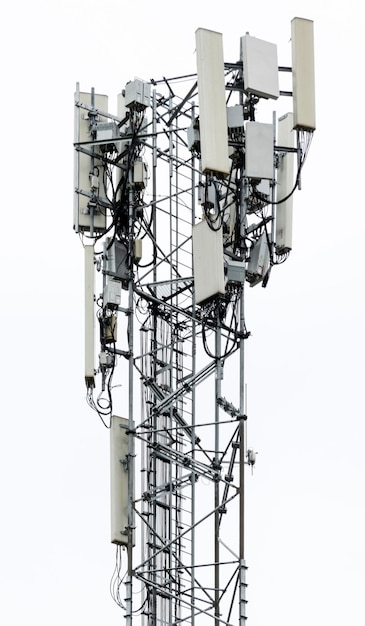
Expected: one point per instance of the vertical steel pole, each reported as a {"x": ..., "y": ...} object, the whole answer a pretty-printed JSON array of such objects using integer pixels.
[
  {"x": 173, "y": 225},
  {"x": 92, "y": 165},
  {"x": 154, "y": 180},
  {"x": 242, "y": 563},
  {"x": 131, "y": 455},
  {"x": 273, "y": 190},
  {"x": 218, "y": 393},
  {"x": 153, "y": 601},
  {"x": 77, "y": 160},
  {"x": 193, "y": 399}
]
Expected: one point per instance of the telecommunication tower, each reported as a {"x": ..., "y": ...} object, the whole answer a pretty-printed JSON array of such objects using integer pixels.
[{"x": 182, "y": 198}]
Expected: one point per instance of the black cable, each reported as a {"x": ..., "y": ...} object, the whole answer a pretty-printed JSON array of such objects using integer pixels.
[
  {"x": 90, "y": 401},
  {"x": 106, "y": 410},
  {"x": 302, "y": 161},
  {"x": 118, "y": 205}
]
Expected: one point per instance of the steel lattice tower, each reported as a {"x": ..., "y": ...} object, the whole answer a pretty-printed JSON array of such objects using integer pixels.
[{"x": 180, "y": 453}]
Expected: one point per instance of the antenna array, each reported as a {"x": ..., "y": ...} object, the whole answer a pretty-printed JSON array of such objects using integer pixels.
[{"x": 180, "y": 201}]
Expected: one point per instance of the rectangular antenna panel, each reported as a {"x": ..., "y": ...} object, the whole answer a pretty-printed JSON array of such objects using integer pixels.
[
  {"x": 259, "y": 150},
  {"x": 285, "y": 184},
  {"x": 122, "y": 146},
  {"x": 260, "y": 67},
  {"x": 302, "y": 41},
  {"x": 208, "y": 262},
  {"x": 235, "y": 116},
  {"x": 89, "y": 316},
  {"x": 88, "y": 177},
  {"x": 212, "y": 102},
  {"x": 121, "y": 106},
  {"x": 119, "y": 479}
]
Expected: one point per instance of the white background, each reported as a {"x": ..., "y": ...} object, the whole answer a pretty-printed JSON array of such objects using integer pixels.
[{"x": 305, "y": 374}]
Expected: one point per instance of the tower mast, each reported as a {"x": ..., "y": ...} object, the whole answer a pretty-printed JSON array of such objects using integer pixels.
[{"x": 181, "y": 199}]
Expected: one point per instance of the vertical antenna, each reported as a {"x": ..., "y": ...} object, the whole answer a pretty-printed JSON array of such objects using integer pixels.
[
  {"x": 212, "y": 102},
  {"x": 302, "y": 39}
]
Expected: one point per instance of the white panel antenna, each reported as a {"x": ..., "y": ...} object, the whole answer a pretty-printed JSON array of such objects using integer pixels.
[
  {"x": 122, "y": 146},
  {"x": 88, "y": 173},
  {"x": 259, "y": 150},
  {"x": 285, "y": 173},
  {"x": 212, "y": 102},
  {"x": 121, "y": 107},
  {"x": 119, "y": 480},
  {"x": 303, "y": 74},
  {"x": 235, "y": 117},
  {"x": 260, "y": 67},
  {"x": 208, "y": 262}
]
